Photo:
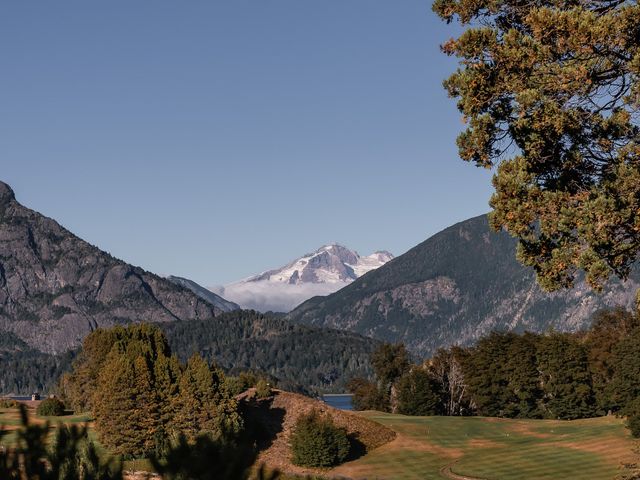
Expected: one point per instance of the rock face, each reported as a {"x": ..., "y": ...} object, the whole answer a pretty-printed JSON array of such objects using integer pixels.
[
  {"x": 454, "y": 288},
  {"x": 207, "y": 295},
  {"x": 56, "y": 288},
  {"x": 324, "y": 271}
]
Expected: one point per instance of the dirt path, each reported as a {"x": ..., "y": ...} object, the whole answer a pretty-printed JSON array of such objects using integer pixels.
[{"x": 446, "y": 472}]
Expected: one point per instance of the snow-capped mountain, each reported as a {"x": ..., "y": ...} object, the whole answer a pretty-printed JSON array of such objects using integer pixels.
[{"x": 322, "y": 272}]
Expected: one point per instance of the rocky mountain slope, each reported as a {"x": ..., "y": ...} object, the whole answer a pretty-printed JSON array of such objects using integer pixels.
[
  {"x": 455, "y": 287},
  {"x": 55, "y": 288},
  {"x": 322, "y": 272},
  {"x": 207, "y": 295}
]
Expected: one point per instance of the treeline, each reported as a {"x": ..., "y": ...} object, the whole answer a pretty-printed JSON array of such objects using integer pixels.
[
  {"x": 296, "y": 357},
  {"x": 24, "y": 370},
  {"x": 142, "y": 397},
  {"x": 553, "y": 375},
  {"x": 183, "y": 417}
]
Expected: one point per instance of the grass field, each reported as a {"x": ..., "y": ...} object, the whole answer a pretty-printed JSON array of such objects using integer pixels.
[
  {"x": 473, "y": 447},
  {"x": 10, "y": 421},
  {"x": 491, "y": 448}
]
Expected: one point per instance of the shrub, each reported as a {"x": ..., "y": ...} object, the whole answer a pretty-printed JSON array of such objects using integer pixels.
[
  {"x": 367, "y": 395},
  {"x": 9, "y": 403},
  {"x": 51, "y": 407},
  {"x": 633, "y": 424},
  {"x": 317, "y": 442},
  {"x": 263, "y": 389}
]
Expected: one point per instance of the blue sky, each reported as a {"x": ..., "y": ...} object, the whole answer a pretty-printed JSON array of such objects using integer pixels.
[{"x": 216, "y": 139}]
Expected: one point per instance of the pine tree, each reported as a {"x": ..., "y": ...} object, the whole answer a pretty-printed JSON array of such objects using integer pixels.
[
  {"x": 113, "y": 401},
  {"x": 486, "y": 376},
  {"x": 549, "y": 92},
  {"x": 624, "y": 389},
  {"x": 203, "y": 404},
  {"x": 522, "y": 376},
  {"x": 565, "y": 377}
]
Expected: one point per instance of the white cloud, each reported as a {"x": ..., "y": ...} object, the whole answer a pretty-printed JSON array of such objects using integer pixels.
[{"x": 278, "y": 297}]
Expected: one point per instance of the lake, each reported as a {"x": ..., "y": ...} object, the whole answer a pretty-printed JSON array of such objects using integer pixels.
[{"x": 341, "y": 401}]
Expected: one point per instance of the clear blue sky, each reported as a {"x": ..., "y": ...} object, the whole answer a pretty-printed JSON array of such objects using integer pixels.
[{"x": 215, "y": 139}]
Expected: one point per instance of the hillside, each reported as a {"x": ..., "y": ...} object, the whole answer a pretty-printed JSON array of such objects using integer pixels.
[
  {"x": 277, "y": 416},
  {"x": 453, "y": 288},
  {"x": 55, "y": 288},
  {"x": 207, "y": 295},
  {"x": 297, "y": 355}
]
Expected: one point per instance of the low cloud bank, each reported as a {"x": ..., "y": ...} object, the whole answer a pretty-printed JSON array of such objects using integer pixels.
[{"x": 267, "y": 296}]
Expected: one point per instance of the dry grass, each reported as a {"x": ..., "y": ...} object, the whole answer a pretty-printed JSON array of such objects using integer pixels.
[{"x": 277, "y": 417}]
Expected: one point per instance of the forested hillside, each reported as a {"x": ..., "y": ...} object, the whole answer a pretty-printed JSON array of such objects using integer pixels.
[
  {"x": 296, "y": 356},
  {"x": 455, "y": 287},
  {"x": 314, "y": 358}
]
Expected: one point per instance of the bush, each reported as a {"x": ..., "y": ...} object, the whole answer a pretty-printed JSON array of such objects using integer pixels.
[
  {"x": 633, "y": 424},
  {"x": 9, "y": 403},
  {"x": 317, "y": 442},
  {"x": 632, "y": 411},
  {"x": 51, "y": 407},
  {"x": 263, "y": 389}
]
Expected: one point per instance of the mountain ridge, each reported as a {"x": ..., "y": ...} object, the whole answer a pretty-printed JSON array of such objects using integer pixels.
[
  {"x": 55, "y": 287},
  {"x": 454, "y": 287}
]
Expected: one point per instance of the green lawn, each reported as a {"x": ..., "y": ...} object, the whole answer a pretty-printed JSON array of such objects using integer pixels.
[
  {"x": 493, "y": 448},
  {"x": 487, "y": 448}
]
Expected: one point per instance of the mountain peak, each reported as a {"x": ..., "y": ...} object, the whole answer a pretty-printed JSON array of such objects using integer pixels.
[
  {"x": 6, "y": 192},
  {"x": 324, "y": 271}
]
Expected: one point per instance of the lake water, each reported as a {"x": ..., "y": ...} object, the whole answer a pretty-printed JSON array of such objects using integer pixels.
[{"x": 341, "y": 402}]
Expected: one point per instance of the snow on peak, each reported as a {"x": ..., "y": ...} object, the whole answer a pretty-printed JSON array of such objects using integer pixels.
[{"x": 322, "y": 272}]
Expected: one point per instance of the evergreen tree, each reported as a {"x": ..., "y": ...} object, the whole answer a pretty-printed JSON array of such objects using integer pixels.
[
  {"x": 128, "y": 392},
  {"x": 486, "y": 375},
  {"x": 549, "y": 92},
  {"x": 77, "y": 386},
  {"x": 114, "y": 400},
  {"x": 166, "y": 372},
  {"x": 419, "y": 393},
  {"x": 203, "y": 403},
  {"x": 565, "y": 377},
  {"x": 522, "y": 377},
  {"x": 608, "y": 328},
  {"x": 624, "y": 388},
  {"x": 367, "y": 395}
]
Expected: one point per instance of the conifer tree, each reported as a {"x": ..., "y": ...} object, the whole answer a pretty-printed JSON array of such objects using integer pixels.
[
  {"x": 419, "y": 394},
  {"x": 203, "y": 404},
  {"x": 485, "y": 374},
  {"x": 550, "y": 95},
  {"x": 565, "y": 377},
  {"x": 624, "y": 389},
  {"x": 113, "y": 401},
  {"x": 522, "y": 377}
]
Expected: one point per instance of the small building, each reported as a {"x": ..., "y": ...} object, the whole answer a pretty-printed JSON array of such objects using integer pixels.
[{"x": 35, "y": 397}]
